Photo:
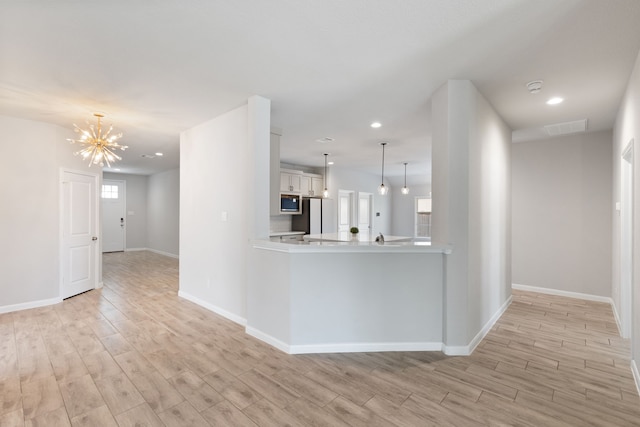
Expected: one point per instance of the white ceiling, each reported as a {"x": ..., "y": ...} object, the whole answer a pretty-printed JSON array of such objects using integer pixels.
[{"x": 330, "y": 67}]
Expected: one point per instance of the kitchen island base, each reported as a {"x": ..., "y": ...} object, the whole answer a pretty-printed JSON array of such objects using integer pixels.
[{"x": 310, "y": 299}]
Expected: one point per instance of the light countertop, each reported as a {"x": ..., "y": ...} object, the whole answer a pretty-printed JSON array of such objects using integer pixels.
[
  {"x": 285, "y": 233},
  {"x": 345, "y": 236}
]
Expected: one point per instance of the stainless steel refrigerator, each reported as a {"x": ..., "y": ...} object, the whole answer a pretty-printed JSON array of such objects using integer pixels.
[{"x": 318, "y": 216}]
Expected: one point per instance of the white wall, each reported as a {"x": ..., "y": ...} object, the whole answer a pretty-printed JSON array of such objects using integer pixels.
[
  {"x": 345, "y": 179},
  {"x": 163, "y": 212},
  {"x": 627, "y": 127},
  {"x": 562, "y": 213},
  {"x": 136, "y": 200},
  {"x": 471, "y": 208},
  {"x": 403, "y": 209},
  {"x": 32, "y": 154},
  {"x": 220, "y": 172}
]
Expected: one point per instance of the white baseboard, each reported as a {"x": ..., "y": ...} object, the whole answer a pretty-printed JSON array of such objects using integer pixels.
[
  {"x": 365, "y": 347},
  {"x": 163, "y": 253},
  {"x": 343, "y": 347},
  {"x": 560, "y": 293},
  {"x": 616, "y": 316},
  {"x": 154, "y": 251},
  {"x": 636, "y": 374},
  {"x": 282, "y": 346},
  {"x": 30, "y": 304},
  {"x": 221, "y": 311},
  {"x": 466, "y": 350}
]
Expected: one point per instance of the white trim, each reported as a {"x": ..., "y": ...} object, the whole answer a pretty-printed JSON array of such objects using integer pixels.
[
  {"x": 636, "y": 374},
  {"x": 154, "y": 251},
  {"x": 558, "y": 292},
  {"x": 221, "y": 311},
  {"x": 342, "y": 347},
  {"x": 280, "y": 345},
  {"x": 365, "y": 347},
  {"x": 616, "y": 316},
  {"x": 467, "y": 350},
  {"x": 30, "y": 304},
  {"x": 163, "y": 253}
]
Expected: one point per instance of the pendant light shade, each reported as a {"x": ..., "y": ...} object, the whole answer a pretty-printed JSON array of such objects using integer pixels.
[
  {"x": 382, "y": 190},
  {"x": 405, "y": 189},
  {"x": 325, "y": 192}
]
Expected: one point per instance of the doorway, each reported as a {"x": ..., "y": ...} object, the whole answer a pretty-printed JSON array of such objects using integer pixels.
[
  {"x": 114, "y": 208},
  {"x": 626, "y": 241},
  {"x": 345, "y": 210},
  {"x": 365, "y": 211},
  {"x": 79, "y": 229}
]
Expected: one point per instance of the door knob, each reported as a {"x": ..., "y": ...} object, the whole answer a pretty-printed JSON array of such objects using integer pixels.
[{"x": 94, "y": 238}]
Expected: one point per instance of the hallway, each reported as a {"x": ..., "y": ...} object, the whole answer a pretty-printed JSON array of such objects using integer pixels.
[{"x": 134, "y": 353}]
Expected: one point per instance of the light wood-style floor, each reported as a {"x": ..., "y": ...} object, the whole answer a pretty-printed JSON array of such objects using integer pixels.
[{"x": 135, "y": 354}]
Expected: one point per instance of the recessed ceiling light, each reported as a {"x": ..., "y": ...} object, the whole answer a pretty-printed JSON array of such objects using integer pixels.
[
  {"x": 376, "y": 125},
  {"x": 325, "y": 140},
  {"x": 159, "y": 154},
  {"x": 554, "y": 101},
  {"x": 330, "y": 163}
]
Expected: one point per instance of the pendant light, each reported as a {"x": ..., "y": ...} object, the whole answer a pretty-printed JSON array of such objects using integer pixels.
[
  {"x": 98, "y": 146},
  {"x": 325, "y": 193},
  {"x": 405, "y": 189},
  {"x": 382, "y": 190}
]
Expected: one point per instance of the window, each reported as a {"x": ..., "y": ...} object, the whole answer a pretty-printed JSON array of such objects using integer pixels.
[
  {"x": 423, "y": 217},
  {"x": 109, "y": 191}
]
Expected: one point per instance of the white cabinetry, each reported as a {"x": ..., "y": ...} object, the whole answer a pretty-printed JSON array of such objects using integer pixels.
[
  {"x": 311, "y": 185},
  {"x": 290, "y": 181}
]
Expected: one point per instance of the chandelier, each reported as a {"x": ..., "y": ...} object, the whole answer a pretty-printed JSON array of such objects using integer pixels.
[{"x": 97, "y": 146}]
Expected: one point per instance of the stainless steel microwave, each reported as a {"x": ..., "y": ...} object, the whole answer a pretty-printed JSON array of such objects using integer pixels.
[{"x": 290, "y": 203}]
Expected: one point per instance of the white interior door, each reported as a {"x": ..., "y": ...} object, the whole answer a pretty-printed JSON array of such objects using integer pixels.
[
  {"x": 113, "y": 215},
  {"x": 344, "y": 209},
  {"x": 365, "y": 200},
  {"x": 79, "y": 233}
]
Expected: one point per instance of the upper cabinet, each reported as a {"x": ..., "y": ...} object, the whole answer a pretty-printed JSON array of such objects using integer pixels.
[
  {"x": 306, "y": 184},
  {"x": 311, "y": 185},
  {"x": 290, "y": 181}
]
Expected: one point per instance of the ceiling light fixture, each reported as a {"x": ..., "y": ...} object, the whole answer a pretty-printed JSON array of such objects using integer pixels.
[
  {"x": 405, "y": 189},
  {"x": 325, "y": 193},
  {"x": 98, "y": 147},
  {"x": 382, "y": 190},
  {"x": 376, "y": 125},
  {"x": 555, "y": 101},
  {"x": 159, "y": 154}
]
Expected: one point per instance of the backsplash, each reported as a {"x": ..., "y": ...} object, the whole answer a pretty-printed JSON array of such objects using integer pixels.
[{"x": 280, "y": 223}]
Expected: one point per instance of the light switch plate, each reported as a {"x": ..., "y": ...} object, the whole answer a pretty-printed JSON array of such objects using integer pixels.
[{"x": 223, "y": 216}]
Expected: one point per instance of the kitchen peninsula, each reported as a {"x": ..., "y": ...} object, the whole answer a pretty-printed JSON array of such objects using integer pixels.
[{"x": 333, "y": 296}]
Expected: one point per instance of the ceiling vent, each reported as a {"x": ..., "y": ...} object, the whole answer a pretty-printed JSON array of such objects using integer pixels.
[
  {"x": 535, "y": 86},
  {"x": 566, "y": 128}
]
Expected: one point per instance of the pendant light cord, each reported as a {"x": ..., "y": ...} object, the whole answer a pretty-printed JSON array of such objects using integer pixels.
[{"x": 383, "y": 144}]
